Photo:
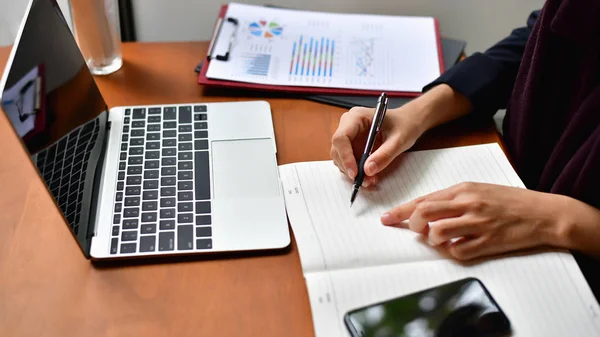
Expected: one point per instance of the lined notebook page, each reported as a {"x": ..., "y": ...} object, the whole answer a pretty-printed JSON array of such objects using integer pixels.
[
  {"x": 536, "y": 304},
  {"x": 332, "y": 236}
]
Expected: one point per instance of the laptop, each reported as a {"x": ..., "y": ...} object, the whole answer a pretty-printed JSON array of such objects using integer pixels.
[{"x": 140, "y": 181}]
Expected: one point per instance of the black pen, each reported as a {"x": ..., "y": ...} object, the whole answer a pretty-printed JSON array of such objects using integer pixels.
[{"x": 380, "y": 111}]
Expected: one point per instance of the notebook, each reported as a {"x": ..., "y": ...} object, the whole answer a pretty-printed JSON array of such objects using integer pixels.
[{"x": 350, "y": 260}]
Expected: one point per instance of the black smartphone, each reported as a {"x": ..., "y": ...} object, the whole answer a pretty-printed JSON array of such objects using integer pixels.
[{"x": 462, "y": 308}]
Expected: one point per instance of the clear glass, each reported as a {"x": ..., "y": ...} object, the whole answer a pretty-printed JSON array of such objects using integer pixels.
[{"x": 97, "y": 31}]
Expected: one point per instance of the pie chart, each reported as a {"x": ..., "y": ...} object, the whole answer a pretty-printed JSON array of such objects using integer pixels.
[{"x": 266, "y": 29}]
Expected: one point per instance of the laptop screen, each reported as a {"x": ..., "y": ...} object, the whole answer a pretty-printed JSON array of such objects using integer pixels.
[{"x": 55, "y": 107}]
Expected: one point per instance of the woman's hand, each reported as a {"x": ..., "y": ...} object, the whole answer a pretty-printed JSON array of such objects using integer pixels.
[
  {"x": 400, "y": 130},
  {"x": 398, "y": 133},
  {"x": 472, "y": 220}
]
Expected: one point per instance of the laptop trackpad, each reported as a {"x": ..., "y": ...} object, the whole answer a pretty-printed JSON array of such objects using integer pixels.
[{"x": 244, "y": 169}]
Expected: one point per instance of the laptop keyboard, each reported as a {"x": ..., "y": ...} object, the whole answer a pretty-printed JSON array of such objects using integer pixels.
[
  {"x": 162, "y": 200},
  {"x": 63, "y": 166}
]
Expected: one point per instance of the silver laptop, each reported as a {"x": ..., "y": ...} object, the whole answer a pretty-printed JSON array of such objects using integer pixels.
[{"x": 140, "y": 181}]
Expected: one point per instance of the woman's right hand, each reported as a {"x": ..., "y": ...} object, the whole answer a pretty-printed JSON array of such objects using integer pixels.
[
  {"x": 400, "y": 130},
  {"x": 398, "y": 133}
]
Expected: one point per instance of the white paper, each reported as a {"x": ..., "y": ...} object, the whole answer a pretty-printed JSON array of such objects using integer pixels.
[
  {"x": 303, "y": 48},
  {"x": 350, "y": 260}
]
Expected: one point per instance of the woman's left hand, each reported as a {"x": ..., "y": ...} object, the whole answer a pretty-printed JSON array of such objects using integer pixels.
[{"x": 472, "y": 220}]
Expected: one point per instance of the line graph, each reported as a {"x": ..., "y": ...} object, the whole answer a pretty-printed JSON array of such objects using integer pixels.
[{"x": 363, "y": 54}]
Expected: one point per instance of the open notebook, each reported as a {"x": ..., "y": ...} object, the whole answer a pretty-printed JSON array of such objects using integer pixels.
[{"x": 350, "y": 260}]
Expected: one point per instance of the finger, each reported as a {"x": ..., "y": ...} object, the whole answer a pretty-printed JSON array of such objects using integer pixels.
[
  {"x": 383, "y": 156},
  {"x": 336, "y": 162},
  {"x": 428, "y": 211},
  {"x": 448, "y": 229},
  {"x": 404, "y": 211},
  {"x": 469, "y": 248},
  {"x": 350, "y": 126}
]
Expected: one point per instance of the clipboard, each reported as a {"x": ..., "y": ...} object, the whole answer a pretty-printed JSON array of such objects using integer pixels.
[{"x": 221, "y": 20}]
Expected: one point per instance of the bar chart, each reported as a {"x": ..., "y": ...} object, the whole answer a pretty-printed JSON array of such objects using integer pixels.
[{"x": 312, "y": 58}]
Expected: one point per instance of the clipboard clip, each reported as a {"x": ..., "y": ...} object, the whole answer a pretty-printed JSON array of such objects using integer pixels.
[{"x": 216, "y": 36}]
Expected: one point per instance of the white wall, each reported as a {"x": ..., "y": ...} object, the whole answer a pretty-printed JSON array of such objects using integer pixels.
[
  {"x": 11, "y": 15},
  {"x": 479, "y": 22}
]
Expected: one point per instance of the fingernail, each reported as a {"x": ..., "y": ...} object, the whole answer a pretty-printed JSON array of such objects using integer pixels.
[
  {"x": 365, "y": 183},
  {"x": 372, "y": 168},
  {"x": 386, "y": 218},
  {"x": 351, "y": 173}
]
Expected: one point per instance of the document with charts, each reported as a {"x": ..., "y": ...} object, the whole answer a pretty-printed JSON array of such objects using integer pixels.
[
  {"x": 350, "y": 260},
  {"x": 316, "y": 49}
]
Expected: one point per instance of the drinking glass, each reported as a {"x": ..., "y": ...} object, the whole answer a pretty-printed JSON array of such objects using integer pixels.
[{"x": 96, "y": 29}]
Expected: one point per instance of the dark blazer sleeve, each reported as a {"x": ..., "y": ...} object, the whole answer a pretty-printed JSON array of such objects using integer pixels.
[{"x": 487, "y": 79}]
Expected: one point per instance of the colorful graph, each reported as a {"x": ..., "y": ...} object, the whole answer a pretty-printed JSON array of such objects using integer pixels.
[
  {"x": 266, "y": 29},
  {"x": 256, "y": 64},
  {"x": 312, "y": 57},
  {"x": 363, "y": 55}
]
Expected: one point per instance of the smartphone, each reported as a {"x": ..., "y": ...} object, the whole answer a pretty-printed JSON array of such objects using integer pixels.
[{"x": 462, "y": 308}]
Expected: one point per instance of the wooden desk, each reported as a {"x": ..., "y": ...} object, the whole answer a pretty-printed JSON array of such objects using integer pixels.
[{"x": 47, "y": 287}]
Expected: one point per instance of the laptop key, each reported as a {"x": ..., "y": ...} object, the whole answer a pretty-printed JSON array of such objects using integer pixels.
[
  {"x": 132, "y": 201},
  {"x": 136, "y": 141},
  {"x": 152, "y": 145},
  {"x": 153, "y": 127},
  {"x": 153, "y": 119},
  {"x": 130, "y": 224},
  {"x": 184, "y": 175},
  {"x": 201, "y": 144},
  {"x": 200, "y": 134},
  {"x": 131, "y": 212},
  {"x": 151, "y": 164},
  {"x": 168, "y": 171},
  {"x": 132, "y": 190},
  {"x": 184, "y": 196},
  {"x": 116, "y": 219},
  {"x": 168, "y": 161},
  {"x": 185, "y": 207},
  {"x": 115, "y": 231},
  {"x": 200, "y": 125},
  {"x": 169, "y": 142},
  {"x": 150, "y": 195},
  {"x": 166, "y": 241},
  {"x": 139, "y": 113},
  {"x": 167, "y": 224},
  {"x": 134, "y": 180},
  {"x": 185, "y": 218},
  {"x": 149, "y": 206},
  {"x": 185, "y": 128},
  {"x": 185, "y": 137},
  {"x": 169, "y": 133},
  {"x": 137, "y": 133},
  {"x": 184, "y": 156},
  {"x": 199, "y": 108},
  {"x": 184, "y": 165},
  {"x": 167, "y": 202},
  {"x": 204, "y": 244},
  {"x": 167, "y": 191},
  {"x": 185, "y": 114},
  {"x": 126, "y": 120},
  {"x": 148, "y": 228},
  {"x": 125, "y": 138},
  {"x": 127, "y": 248},
  {"x": 123, "y": 155},
  {"x": 202, "y": 175},
  {"x": 185, "y": 185},
  {"x": 134, "y": 170},
  {"x": 169, "y": 125},
  {"x": 203, "y": 220},
  {"x": 122, "y": 165},
  {"x": 151, "y": 184},
  {"x": 153, "y": 136},
  {"x": 138, "y": 124},
  {"x": 168, "y": 181},
  {"x": 147, "y": 243},
  {"x": 128, "y": 236},
  {"x": 170, "y": 113},
  {"x": 149, "y": 217},
  {"x": 114, "y": 245},
  {"x": 119, "y": 195},
  {"x": 136, "y": 151},
  {"x": 167, "y": 213},
  {"x": 151, "y": 174},
  {"x": 121, "y": 175},
  {"x": 154, "y": 111},
  {"x": 118, "y": 207},
  {"x": 185, "y": 146},
  {"x": 185, "y": 237},
  {"x": 152, "y": 155},
  {"x": 202, "y": 232},
  {"x": 127, "y": 112},
  {"x": 135, "y": 160},
  {"x": 169, "y": 152},
  {"x": 126, "y": 128},
  {"x": 202, "y": 207}
]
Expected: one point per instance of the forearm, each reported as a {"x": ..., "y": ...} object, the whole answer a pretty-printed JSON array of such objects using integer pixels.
[
  {"x": 577, "y": 226},
  {"x": 437, "y": 106}
]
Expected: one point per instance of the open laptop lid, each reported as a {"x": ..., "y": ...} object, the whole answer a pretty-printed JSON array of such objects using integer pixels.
[{"x": 55, "y": 107}]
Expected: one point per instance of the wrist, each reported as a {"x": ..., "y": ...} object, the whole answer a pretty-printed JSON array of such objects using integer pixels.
[{"x": 439, "y": 105}]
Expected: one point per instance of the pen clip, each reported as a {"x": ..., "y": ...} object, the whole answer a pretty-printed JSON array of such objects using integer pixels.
[{"x": 381, "y": 115}]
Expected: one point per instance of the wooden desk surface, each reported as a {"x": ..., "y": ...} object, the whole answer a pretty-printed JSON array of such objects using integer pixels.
[{"x": 47, "y": 287}]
